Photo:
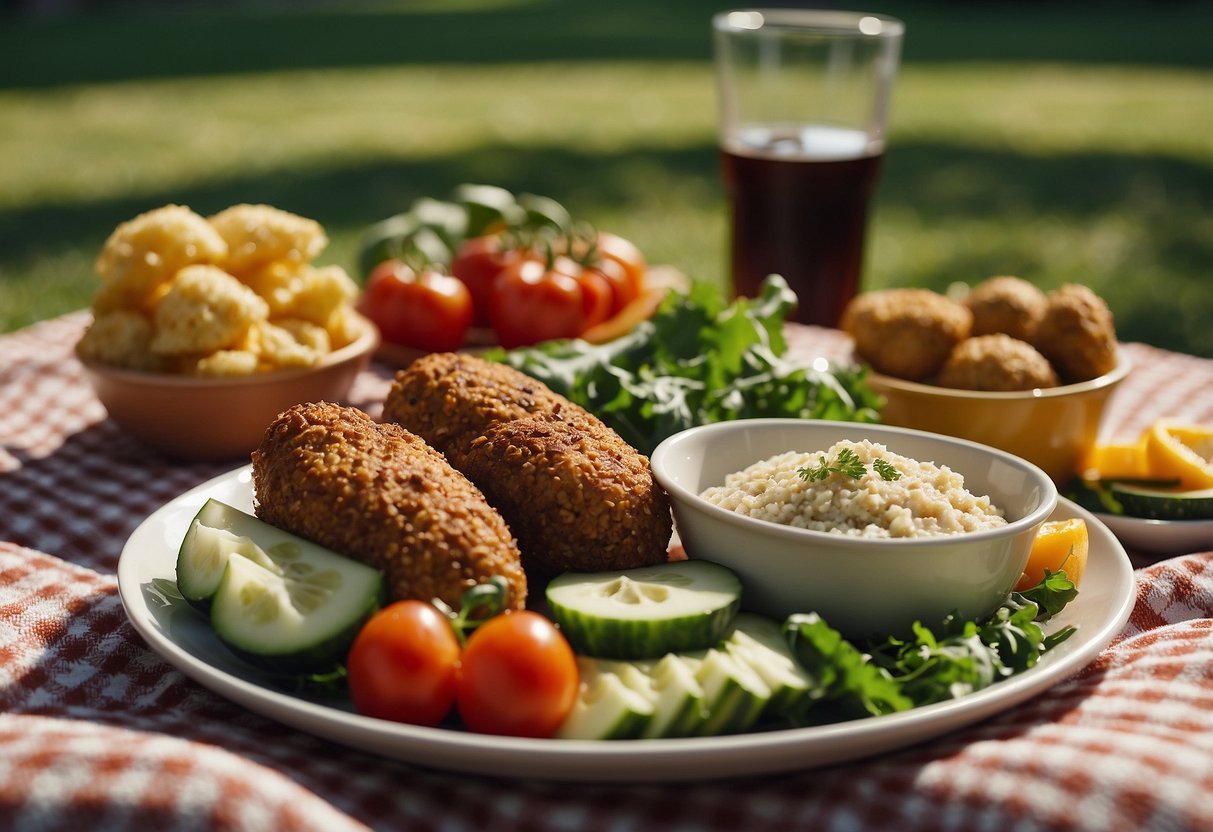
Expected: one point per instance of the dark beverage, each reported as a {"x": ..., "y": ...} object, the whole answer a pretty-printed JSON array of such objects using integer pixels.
[{"x": 799, "y": 205}]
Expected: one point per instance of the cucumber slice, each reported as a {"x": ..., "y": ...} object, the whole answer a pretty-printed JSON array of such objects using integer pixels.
[
  {"x": 734, "y": 695},
  {"x": 671, "y": 687},
  {"x": 1160, "y": 504},
  {"x": 647, "y": 612},
  {"x": 606, "y": 707},
  {"x": 297, "y": 619},
  {"x": 758, "y": 642}
]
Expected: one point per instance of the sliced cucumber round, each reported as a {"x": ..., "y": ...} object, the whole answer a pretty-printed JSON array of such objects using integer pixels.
[
  {"x": 299, "y": 619},
  {"x": 217, "y": 532},
  {"x": 1163, "y": 504},
  {"x": 645, "y": 613}
]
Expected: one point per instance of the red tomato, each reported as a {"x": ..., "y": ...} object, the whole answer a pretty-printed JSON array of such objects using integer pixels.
[
  {"x": 624, "y": 252},
  {"x": 404, "y": 664},
  {"x": 597, "y": 298},
  {"x": 623, "y": 288},
  {"x": 532, "y": 302},
  {"x": 427, "y": 310},
  {"x": 518, "y": 677},
  {"x": 477, "y": 263}
]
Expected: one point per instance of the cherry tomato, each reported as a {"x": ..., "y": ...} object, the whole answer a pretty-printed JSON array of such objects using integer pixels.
[
  {"x": 518, "y": 677},
  {"x": 478, "y": 262},
  {"x": 427, "y": 310},
  {"x": 534, "y": 301},
  {"x": 597, "y": 298},
  {"x": 623, "y": 289},
  {"x": 404, "y": 664},
  {"x": 624, "y": 252}
]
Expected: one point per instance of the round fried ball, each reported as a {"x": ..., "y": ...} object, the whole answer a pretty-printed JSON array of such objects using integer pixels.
[
  {"x": 1077, "y": 334},
  {"x": 1006, "y": 304},
  {"x": 906, "y": 333},
  {"x": 996, "y": 362}
]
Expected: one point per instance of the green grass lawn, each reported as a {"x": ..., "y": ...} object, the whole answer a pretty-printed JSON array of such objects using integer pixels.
[{"x": 1044, "y": 140}]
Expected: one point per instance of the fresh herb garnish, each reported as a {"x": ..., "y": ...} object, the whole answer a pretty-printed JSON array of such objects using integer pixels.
[
  {"x": 957, "y": 658},
  {"x": 698, "y": 360},
  {"x": 847, "y": 464}
]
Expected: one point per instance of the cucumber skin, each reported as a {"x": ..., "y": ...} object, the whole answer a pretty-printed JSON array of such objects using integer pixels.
[
  {"x": 633, "y": 640},
  {"x": 1162, "y": 505}
]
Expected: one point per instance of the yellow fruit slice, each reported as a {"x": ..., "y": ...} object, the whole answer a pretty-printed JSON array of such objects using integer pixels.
[
  {"x": 1177, "y": 450},
  {"x": 1060, "y": 546},
  {"x": 1116, "y": 460}
]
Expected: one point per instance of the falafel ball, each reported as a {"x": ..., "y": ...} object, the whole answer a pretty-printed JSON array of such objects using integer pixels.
[
  {"x": 1077, "y": 334},
  {"x": 1006, "y": 304},
  {"x": 380, "y": 495},
  {"x": 906, "y": 333},
  {"x": 450, "y": 398},
  {"x": 577, "y": 498},
  {"x": 996, "y": 362}
]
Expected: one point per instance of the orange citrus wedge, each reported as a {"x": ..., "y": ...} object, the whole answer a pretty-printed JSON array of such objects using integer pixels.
[
  {"x": 1177, "y": 450},
  {"x": 1060, "y": 546},
  {"x": 1116, "y": 460}
]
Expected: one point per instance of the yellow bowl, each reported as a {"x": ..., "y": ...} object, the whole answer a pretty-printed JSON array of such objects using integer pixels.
[
  {"x": 213, "y": 419},
  {"x": 1050, "y": 427}
]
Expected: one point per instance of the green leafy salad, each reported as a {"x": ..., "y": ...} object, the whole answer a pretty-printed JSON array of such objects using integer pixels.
[{"x": 698, "y": 360}]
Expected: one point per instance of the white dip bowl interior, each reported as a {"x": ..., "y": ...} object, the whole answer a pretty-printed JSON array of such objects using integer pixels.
[{"x": 860, "y": 586}]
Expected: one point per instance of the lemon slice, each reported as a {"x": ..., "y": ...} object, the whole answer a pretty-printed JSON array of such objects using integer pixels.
[
  {"x": 1060, "y": 546},
  {"x": 1116, "y": 460},
  {"x": 1177, "y": 450}
]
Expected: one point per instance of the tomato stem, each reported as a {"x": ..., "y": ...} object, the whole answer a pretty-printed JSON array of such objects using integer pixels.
[{"x": 476, "y": 606}]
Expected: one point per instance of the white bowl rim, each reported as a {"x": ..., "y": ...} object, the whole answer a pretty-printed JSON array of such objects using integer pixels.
[
  {"x": 365, "y": 344},
  {"x": 807, "y": 536},
  {"x": 1113, "y": 376}
]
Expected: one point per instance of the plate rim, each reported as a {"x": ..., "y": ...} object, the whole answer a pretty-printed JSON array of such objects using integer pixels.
[{"x": 648, "y": 761}]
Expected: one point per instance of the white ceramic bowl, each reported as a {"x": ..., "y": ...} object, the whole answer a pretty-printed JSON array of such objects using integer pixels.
[{"x": 860, "y": 586}]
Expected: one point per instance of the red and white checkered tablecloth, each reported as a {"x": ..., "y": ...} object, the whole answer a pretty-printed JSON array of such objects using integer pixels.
[{"x": 97, "y": 732}]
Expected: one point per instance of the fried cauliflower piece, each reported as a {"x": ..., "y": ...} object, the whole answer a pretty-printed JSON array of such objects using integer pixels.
[
  {"x": 119, "y": 339},
  {"x": 259, "y": 234},
  {"x": 221, "y": 364},
  {"x": 906, "y": 333},
  {"x": 1077, "y": 334},
  {"x": 205, "y": 309},
  {"x": 576, "y": 498},
  {"x": 450, "y": 398},
  {"x": 1006, "y": 304},
  {"x": 321, "y": 293},
  {"x": 996, "y": 362},
  {"x": 148, "y": 250},
  {"x": 280, "y": 349},
  {"x": 307, "y": 333},
  {"x": 379, "y": 494},
  {"x": 576, "y": 495}
]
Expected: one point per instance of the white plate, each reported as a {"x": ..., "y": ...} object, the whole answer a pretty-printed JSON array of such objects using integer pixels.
[
  {"x": 184, "y": 638},
  {"x": 1161, "y": 537}
]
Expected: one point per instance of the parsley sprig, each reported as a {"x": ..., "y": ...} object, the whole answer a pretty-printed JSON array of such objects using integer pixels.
[{"x": 848, "y": 464}]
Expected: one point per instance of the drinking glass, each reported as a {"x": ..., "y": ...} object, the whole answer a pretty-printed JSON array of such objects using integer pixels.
[{"x": 803, "y": 103}]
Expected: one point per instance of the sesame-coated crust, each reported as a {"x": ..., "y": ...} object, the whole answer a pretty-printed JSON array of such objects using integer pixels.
[
  {"x": 577, "y": 498},
  {"x": 381, "y": 495}
]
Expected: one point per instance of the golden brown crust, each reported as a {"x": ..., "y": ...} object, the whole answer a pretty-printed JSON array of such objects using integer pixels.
[
  {"x": 1077, "y": 334},
  {"x": 996, "y": 362},
  {"x": 578, "y": 498},
  {"x": 906, "y": 333},
  {"x": 448, "y": 399},
  {"x": 379, "y": 494},
  {"x": 1006, "y": 304}
]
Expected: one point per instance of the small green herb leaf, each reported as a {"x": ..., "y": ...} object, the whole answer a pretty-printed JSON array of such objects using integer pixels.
[
  {"x": 886, "y": 469},
  {"x": 847, "y": 464}
]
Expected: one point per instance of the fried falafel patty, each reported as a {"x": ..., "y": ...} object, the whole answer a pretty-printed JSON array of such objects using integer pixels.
[
  {"x": 577, "y": 498},
  {"x": 1006, "y": 304},
  {"x": 998, "y": 363},
  {"x": 448, "y": 399},
  {"x": 906, "y": 333},
  {"x": 381, "y": 495},
  {"x": 1077, "y": 333}
]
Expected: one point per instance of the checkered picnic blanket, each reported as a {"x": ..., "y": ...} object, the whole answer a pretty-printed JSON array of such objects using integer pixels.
[{"x": 98, "y": 732}]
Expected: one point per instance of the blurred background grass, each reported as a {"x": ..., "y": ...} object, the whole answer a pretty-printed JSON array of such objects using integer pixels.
[{"x": 1057, "y": 141}]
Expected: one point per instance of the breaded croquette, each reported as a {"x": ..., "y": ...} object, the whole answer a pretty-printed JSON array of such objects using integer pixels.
[
  {"x": 381, "y": 495},
  {"x": 906, "y": 333},
  {"x": 1006, "y": 304},
  {"x": 1077, "y": 334},
  {"x": 576, "y": 495},
  {"x": 449, "y": 398},
  {"x": 996, "y": 362},
  {"x": 577, "y": 498}
]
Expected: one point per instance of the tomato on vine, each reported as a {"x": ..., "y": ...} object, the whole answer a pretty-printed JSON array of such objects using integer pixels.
[
  {"x": 421, "y": 308},
  {"x": 478, "y": 262},
  {"x": 537, "y": 299}
]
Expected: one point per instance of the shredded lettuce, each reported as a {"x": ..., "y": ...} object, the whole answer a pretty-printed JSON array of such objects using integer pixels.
[{"x": 699, "y": 360}]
